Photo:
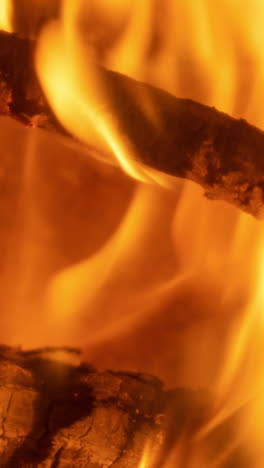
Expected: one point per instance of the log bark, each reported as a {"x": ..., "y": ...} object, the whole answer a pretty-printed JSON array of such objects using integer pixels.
[
  {"x": 60, "y": 413},
  {"x": 55, "y": 414},
  {"x": 193, "y": 141}
]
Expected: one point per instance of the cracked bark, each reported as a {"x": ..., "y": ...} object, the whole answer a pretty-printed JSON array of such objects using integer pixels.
[
  {"x": 55, "y": 414},
  {"x": 61, "y": 415},
  {"x": 193, "y": 141}
]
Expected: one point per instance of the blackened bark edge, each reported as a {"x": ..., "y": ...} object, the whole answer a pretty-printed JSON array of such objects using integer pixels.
[
  {"x": 191, "y": 140},
  {"x": 63, "y": 415}
]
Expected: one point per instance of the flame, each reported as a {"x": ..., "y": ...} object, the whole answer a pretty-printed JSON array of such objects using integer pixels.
[
  {"x": 5, "y": 16},
  {"x": 200, "y": 59},
  {"x": 145, "y": 460},
  {"x": 78, "y": 99},
  {"x": 175, "y": 285}
]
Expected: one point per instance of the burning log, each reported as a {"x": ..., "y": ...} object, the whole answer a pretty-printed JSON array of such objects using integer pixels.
[
  {"x": 193, "y": 141},
  {"x": 64, "y": 415},
  {"x": 54, "y": 413}
]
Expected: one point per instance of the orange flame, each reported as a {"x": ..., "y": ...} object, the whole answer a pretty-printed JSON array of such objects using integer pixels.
[
  {"x": 176, "y": 272},
  {"x": 202, "y": 64},
  {"x": 78, "y": 98},
  {"x": 145, "y": 460}
]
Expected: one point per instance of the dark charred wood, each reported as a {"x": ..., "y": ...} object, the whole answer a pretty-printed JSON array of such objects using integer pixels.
[
  {"x": 64, "y": 415},
  {"x": 193, "y": 141},
  {"x": 58, "y": 414}
]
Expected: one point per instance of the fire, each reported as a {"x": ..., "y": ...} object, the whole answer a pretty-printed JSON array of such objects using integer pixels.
[
  {"x": 5, "y": 16},
  {"x": 145, "y": 460},
  {"x": 118, "y": 262},
  {"x": 176, "y": 272},
  {"x": 80, "y": 99}
]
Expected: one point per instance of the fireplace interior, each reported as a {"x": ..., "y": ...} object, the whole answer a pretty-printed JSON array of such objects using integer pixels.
[{"x": 132, "y": 252}]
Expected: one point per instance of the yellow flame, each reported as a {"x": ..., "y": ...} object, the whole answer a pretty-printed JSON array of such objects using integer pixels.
[
  {"x": 144, "y": 461},
  {"x": 149, "y": 455},
  {"x": 6, "y": 16},
  {"x": 75, "y": 88}
]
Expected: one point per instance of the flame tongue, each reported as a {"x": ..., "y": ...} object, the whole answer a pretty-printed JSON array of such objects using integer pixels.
[
  {"x": 5, "y": 16},
  {"x": 78, "y": 92}
]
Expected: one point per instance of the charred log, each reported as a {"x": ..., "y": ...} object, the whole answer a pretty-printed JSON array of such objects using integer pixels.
[
  {"x": 193, "y": 141},
  {"x": 57, "y": 414}
]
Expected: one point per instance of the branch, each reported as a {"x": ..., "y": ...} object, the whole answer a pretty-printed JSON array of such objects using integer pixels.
[{"x": 193, "y": 141}]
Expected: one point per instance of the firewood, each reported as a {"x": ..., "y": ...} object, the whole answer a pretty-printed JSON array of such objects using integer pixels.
[
  {"x": 62, "y": 413},
  {"x": 193, "y": 141},
  {"x": 59, "y": 414}
]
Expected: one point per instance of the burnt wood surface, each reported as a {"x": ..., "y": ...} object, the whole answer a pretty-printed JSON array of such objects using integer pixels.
[
  {"x": 64, "y": 413},
  {"x": 193, "y": 141},
  {"x": 55, "y": 414}
]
